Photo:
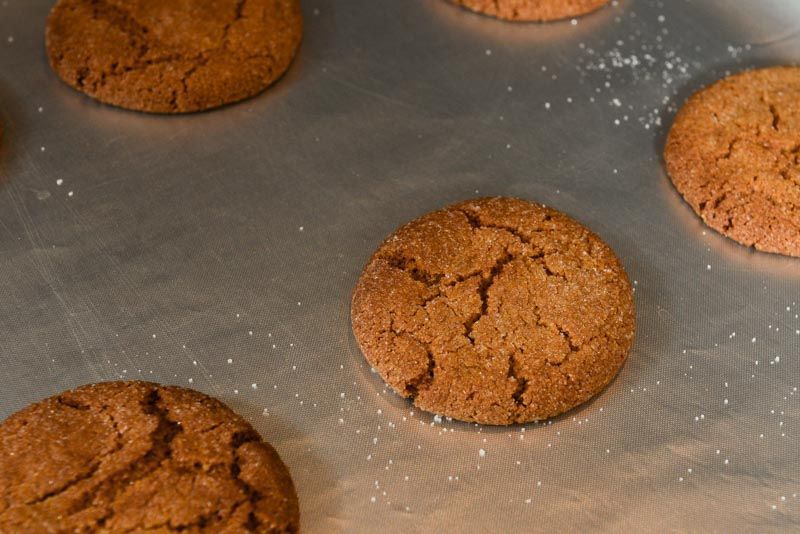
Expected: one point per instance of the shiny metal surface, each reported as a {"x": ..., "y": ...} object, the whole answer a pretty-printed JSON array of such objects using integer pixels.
[{"x": 218, "y": 251}]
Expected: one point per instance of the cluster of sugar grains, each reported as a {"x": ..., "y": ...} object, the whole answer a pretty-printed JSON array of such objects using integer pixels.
[{"x": 641, "y": 60}]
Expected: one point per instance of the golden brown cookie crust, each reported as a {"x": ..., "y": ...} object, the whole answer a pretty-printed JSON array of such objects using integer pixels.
[
  {"x": 172, "y": 56},
  {"x": 495, "y": 311},
  {"x": 122, "y": 456},
  {"x": 733, "y": 152},
  {"x": 532, "y": 10}
]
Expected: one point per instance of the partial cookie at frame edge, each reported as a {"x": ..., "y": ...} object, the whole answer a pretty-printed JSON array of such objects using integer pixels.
[
  {"x": 129, "y": 455},
  {"x": 733, "y": 153},
  {"x": 532, "y": 10},
  {"x": 494, "y": 311},
  {"x": 162, "y": 58}
]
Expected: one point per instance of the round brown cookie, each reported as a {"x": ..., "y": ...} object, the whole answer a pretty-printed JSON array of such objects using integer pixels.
[
  {"x": 532, "y": 10},
  {"x": 172, "y": 56},
  {"x": 135, "y": 456},
  {"x": 495, "y": 311},
  {"x": 734, "y": 154}
]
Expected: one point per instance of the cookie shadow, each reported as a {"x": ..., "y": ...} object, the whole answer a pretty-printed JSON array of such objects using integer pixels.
[
  {"x": 9, "y": 133},
  {"x": 314, "y": 480}
]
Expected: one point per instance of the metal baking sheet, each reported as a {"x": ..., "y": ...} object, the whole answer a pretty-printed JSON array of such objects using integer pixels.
[{"x": 219, "y": 250}]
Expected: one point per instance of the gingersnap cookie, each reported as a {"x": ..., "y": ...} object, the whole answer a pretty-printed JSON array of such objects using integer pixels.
[
  {"x": 733, "y": 153},
  {"x": 136, "y": 456},
  {"x": 532, "y": 10},
  {"x": 172, "y": 56},
  {"x": 494, "y": 311}
]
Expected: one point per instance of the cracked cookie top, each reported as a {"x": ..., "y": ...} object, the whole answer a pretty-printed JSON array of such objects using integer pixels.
[
  {"x": 532, "y": 10},
  {"x": 494, "y": 311},
  {"x": 733, "y": 153},
  {"x": 136, "y": 456},
  {"x": 172, "y": 56}
]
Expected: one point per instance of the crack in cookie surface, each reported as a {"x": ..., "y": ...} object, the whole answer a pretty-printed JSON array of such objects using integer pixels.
[
  {"x": 467, "y": 311},
  {"x": 198, "y": 466},
  {"x": 169, "y": 58},
  {"x": 732, "y": 153}
]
